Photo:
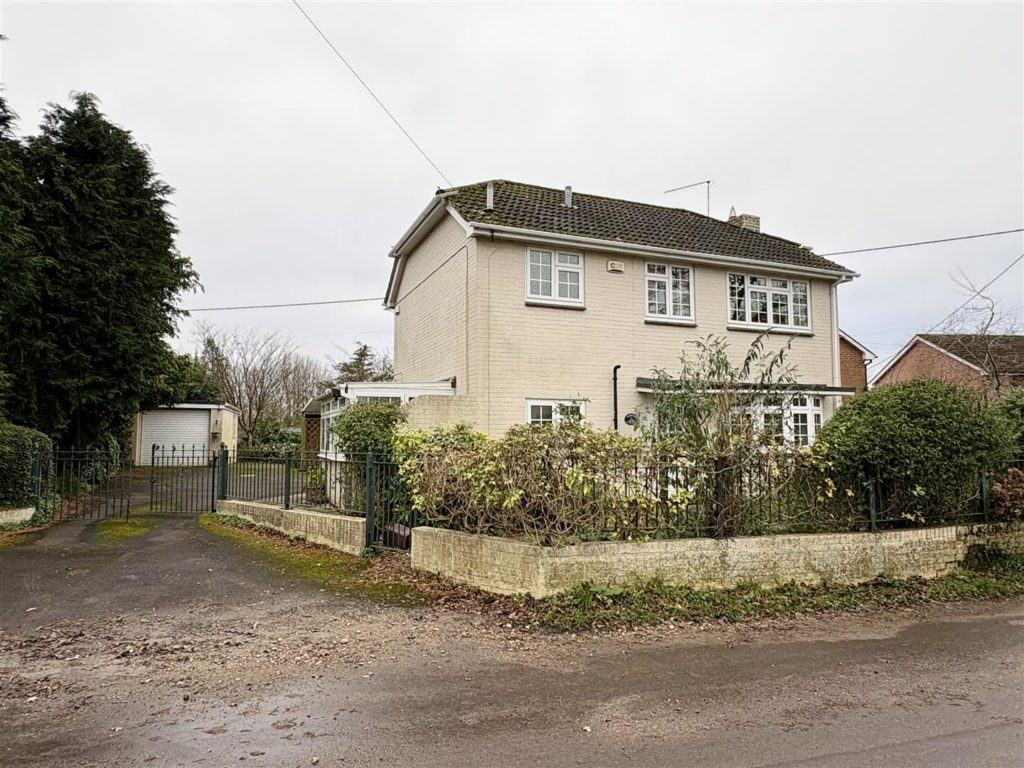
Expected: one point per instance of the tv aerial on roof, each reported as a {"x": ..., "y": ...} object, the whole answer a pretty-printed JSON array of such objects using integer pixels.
[{"x": 707, "y": 182}]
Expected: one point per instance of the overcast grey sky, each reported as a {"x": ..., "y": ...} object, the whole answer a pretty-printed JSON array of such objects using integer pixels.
[{"x": 842, "y": 126}]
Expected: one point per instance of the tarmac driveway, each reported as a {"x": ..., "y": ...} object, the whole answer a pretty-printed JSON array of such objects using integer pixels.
[{"x": 177, "y": 648}]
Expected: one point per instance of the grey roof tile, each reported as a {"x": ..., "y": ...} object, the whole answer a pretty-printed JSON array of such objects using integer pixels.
[{"x": 526, "y": 206}]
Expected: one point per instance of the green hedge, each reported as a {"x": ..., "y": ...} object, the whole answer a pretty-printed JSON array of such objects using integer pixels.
[
  {"x": 924, "y": 442},
  {"x": 20, "y": 448}
]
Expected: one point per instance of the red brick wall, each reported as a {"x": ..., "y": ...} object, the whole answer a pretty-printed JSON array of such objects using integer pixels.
[
  {"x": 924, "y": 362},
  {"x": 852, "y": 372}
]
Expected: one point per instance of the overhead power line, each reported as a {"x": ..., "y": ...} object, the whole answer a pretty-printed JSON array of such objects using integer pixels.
[
  {"x": 923, "y": 242},
  {"x": 970, "y": 298},
  {"x": 370, "y": 91},
  {"x": 977, "y": 293},
  {"x": 278, "y": 306}
]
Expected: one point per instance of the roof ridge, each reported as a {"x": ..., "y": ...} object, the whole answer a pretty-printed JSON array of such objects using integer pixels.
[{"x": 631, "y": 202}]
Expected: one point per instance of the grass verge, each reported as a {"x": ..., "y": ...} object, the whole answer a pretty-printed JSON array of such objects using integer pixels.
[
  {"x": 986, "y": 574},
  {"x": 336, "y": 572},
  {"x": 389, "y": 579}
]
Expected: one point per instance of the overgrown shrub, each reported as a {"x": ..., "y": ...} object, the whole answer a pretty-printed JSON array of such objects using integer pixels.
[
  {"x": 1011, "y": 407},
  {"x": 1008, "y": 492},
  {"x": 368, "y": 427},
  {"x": 924, "y": 444},
  {"x": 23, "y": 452},
  {"x": 541, "y": 483}
]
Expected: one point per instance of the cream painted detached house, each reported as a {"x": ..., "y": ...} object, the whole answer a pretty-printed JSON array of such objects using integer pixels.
[{"x": 527, "y": 297}]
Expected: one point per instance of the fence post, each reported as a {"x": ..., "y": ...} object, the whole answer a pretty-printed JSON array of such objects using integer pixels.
[
  {"x": 288, "y": 477},
  {"x": 719, "y": 497},
  {"x": 370, "y": 478},
  {"x": 873, "y": 505},
  {"x": 222, "y": 472},
  {"x": 984, "y": 494},
  {"x": 37, "y": 475},
  {"x": 152, "y": 477}
]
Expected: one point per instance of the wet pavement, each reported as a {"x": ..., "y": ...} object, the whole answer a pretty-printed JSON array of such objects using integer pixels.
[{"x": 176, "y": 648}]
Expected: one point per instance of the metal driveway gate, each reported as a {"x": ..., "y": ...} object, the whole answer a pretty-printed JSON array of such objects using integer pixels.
[
  {"x": 83, "y": 484},
  {"x": 182, "y": 479}
]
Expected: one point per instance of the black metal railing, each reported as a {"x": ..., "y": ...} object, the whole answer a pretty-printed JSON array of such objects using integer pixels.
[
  {"x": 360, "y": 485},
  {"x": 553, "y": 499}
]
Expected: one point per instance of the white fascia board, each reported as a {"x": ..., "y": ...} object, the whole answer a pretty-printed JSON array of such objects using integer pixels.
[
  {"x": 461, "y": 221},
  {"x": 535, "y": 236},
  {"x": 869, "y": 356},
  {"x": 396, "y": 388},
  {"x": 195, "y": 407},
  {"x": 420, "y": 228}
]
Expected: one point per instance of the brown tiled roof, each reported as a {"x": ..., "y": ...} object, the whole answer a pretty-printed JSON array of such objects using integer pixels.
[
  {"x": 1006, "y": 352},
  {"x": 525, "y": 206}
]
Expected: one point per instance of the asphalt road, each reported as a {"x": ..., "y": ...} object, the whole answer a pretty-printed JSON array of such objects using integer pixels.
[{"x": 179, "y": 649}]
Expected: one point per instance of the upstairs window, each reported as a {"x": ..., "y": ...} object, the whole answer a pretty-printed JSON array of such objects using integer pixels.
[
  {"x": 770, "y": 302},
  {"x": 554, "y": 276},
  {"x": 669, "y": 292}
]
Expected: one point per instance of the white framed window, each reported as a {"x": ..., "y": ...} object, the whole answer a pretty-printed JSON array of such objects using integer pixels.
[
  {"x": 552, "y": 411},
  {"x": 669, "y": 291},
  {"x": 554, "y": 276},
  {"x": 769, "y": 302},
  {"x": 796, "y": 420}
]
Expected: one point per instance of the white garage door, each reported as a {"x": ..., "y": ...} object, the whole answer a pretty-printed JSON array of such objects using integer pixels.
[{"x": 185, "y": 431}]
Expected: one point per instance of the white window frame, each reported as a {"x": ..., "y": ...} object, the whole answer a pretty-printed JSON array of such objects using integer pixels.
[
  {"x": 556, "y": 417},
  {"x": 671, "y": 317},
  {"x": 556, "y": 269},
  {"x": 770, "y": 291},
  {"x": 809, "y": 406}
]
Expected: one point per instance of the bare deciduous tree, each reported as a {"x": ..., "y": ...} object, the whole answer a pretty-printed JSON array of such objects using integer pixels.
[
  {"x": 262, "y": 374},
  {"x": 982, "y": 328}
]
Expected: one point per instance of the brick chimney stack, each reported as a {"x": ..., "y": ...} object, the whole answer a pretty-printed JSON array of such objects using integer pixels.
[{"x": 745, "y": 220}]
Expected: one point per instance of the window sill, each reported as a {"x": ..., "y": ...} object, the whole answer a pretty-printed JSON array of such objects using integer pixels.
[
  {"x": 670, "y": 321},
  {"x": 770, "y": 329},
  {"x": 554, "y": 304}
]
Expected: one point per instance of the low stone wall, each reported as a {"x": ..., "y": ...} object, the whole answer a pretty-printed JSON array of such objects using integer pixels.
[
  {"x": 16, "y": 515},
  {"x": 342, "y": 532},
  {"x": 505, "y": 566}
]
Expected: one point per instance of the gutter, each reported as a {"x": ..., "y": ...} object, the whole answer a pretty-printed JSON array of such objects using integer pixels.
[{"x": 478, "y": 229}]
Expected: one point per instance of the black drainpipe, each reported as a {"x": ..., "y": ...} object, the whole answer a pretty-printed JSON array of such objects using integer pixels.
[{"x": 615, "y": 397}]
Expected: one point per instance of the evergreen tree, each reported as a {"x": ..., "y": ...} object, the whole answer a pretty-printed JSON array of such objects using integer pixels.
[
  {"x": 83, "y": 336},
  {"x": 364, "y": 364}
]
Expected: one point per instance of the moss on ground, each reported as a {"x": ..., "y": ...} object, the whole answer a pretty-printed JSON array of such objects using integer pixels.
[
  {"x": 116, "y": 529},
  {"x": 22, "y": 535},
  {"x": 336, "y": 572}
]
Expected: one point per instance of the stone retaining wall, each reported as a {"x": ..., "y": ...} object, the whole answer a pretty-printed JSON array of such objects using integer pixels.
[
  {"x": 505, "y": 566},
  {"x": 342, "y": 532},
  {"x": 16, "y": 515}
]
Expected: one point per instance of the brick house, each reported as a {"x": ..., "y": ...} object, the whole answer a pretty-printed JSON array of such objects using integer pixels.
[
  {"x": 984, "y": 362},
  {"x": 854, "y": 359},
  {"x": 534, "y": 300}
]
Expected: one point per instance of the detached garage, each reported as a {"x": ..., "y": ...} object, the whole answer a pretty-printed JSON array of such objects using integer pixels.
[{"x": 191, "y": 429}]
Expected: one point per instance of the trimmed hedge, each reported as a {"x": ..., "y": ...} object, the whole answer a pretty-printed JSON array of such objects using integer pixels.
[{"x": 19, "y": 449}]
